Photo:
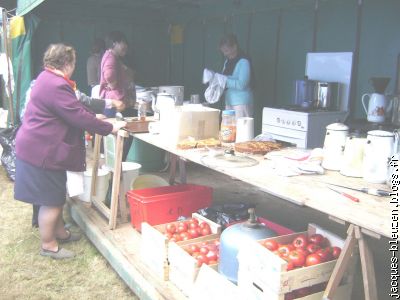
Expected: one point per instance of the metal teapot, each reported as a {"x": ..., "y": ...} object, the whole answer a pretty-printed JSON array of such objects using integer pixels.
[
  {"x": 334, "y": 143},
  {"x": 235, "y": 236}
]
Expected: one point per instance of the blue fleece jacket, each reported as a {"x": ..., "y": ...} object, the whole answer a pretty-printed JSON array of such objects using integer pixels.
[{"x": 238, "y": 90}]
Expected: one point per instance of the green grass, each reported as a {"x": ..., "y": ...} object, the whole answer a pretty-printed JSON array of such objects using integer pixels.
[{"x": 24, "y": 274}]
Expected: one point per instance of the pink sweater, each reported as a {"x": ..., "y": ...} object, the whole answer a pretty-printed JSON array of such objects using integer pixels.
[{"x": 112, "y": 72}]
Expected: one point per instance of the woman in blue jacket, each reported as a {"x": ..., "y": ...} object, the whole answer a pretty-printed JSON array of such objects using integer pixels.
[{"x": 237, "y": 68}]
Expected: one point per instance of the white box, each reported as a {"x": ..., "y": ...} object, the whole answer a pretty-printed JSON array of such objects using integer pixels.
[{"x": 194, "y": 121}]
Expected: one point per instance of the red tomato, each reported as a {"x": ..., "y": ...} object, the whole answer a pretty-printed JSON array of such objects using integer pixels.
[
  {"x": 303, "y": 251},
  {"x": 185, "y": 236},
  {"x": 312, "y": 248},
  {"x": 195, "y": 221},
  {"x": 168, "y": 235},
  {"x": 212, "y": 247},
  {"x": 336, "y": 252},
  {"x": 171, "y": 228},
  {"x": 204, "y": 225},
  {"x": 176, "y": 237},
  {"x": 193, "y": 233},
  {"x": 325, "y": 243},
  {"x": 313, "y": 259},
  {"x": 193, "y": 225},
  {"x": 212, "y": 262},
  {"x": 289, "y": 266},
  {"x": 205, "y": 231},
  {"x": 193, "y": 249},
  {"x": 285, "y": 249},
  {"x": 182, "y": 227},
  {"x": 212, "y": 255},
  {"x": 298, "y": 259},
  {"x": 271, "y": 245},
  {"x": 316, "y": 239},
  {"x": 195, "y": 254},
  {"x": 198, "y": 229},
  {"x": 300, "y": 241},
  {"x": 216, "y": 242},
  {"x": 204, "y": 250},
  {"x": 201, "y": 259},
  {"x": 325, "y": 254}
]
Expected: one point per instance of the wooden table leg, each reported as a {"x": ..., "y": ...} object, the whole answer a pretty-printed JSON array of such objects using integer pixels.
[
  {"x": 367, "y": 266},
  {"x": 122, "y": 204},
  {"x": 341, "y": 265},
  {"x": 96, "y": 152}
]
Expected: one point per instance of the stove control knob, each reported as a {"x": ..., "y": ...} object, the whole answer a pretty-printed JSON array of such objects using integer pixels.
[
  {"x": 293, "y": 123},
  {"x": 278, "y": 120},
  {"x": 288, "y": 122},
  {"x": 298, "y": 123},
  {"x": 282, "y": 121}
]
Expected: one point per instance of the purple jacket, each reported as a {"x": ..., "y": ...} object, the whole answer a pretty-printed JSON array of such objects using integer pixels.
[{"x": 51, "y": 136}]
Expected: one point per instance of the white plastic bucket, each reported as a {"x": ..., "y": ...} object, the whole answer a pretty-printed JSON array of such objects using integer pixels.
[
  {"x": 130, "y": 171},
  {"x": 103, "y": 180}
]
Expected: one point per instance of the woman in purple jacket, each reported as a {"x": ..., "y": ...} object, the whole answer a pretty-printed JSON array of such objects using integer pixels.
[{"x": 50, "y": 142}]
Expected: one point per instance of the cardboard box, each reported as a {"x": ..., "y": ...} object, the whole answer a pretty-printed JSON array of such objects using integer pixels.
[
  {"x": 154, "y": 245},
  {"x": 262, "y": 269},
  {"x": 189, "y": 121}
]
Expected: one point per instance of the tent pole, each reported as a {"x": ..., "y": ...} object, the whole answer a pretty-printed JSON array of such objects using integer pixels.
[{"x": 5, "y": 43}]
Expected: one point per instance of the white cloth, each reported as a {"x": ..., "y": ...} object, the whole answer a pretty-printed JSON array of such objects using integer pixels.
[
  {"x": 95, "y": 93},
  {"x": 4, "y": 72},
  {"x": 216, "y": 85},
  {"x": 74, "y": 183}
]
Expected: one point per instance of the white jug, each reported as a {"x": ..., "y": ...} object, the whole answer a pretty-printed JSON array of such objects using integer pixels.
[
  {"x": 353, "y": 156},
  {"x": 244, "y": 129},
  {"x": 162, "y": 102},
  {"x": 335, "y": 140},
  {"x": 377, "y": 107},
  {"x": 378, "y": 151}
]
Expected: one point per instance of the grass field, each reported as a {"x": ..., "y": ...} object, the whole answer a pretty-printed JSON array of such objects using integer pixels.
[{"x": 24, "y": 274}]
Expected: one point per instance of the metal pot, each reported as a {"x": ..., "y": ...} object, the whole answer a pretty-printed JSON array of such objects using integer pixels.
[
  {"x": 304, "y": 92},
  {"x": 326, "y": 95},
  {"x": 235, "y": 236},
  {"x": 353, "y": 156},
  {"x": 177, "y": 91}
]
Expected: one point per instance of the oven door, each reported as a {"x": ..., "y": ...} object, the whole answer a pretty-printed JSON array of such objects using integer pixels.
[{"x": 296, "y": 137}]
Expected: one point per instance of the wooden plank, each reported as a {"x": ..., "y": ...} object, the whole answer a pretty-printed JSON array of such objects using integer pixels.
[
  {"x": 121, "y": 249},
  {"x": 372, "y": 213},
  {"x": 367, "y": 266},
  {"x": 96, "y": 153}
]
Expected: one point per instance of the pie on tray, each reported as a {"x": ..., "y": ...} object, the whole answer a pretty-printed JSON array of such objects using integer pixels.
[
  {"x": 191, "y": 144},
  {"x": 257, "y": 147}
]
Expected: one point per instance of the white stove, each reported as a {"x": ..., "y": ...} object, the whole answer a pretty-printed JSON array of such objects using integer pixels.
[{"x": 303, "y": 129}]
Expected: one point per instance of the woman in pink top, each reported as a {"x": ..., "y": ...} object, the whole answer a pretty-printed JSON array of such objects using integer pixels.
[{"x": 114, "y": 83}]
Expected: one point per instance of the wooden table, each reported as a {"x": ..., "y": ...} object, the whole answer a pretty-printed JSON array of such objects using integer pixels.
[{"x": 371, "y": 215}]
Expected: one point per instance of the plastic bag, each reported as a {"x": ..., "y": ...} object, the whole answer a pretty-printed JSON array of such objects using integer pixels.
[
  {"x": 7, "y": 141},
  {"x": 216, "y": 87},
  {"x": 225, "y": 214}
]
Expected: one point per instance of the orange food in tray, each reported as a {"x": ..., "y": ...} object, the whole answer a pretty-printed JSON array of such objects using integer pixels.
[
  {"x": 191, "y": 144},
  {"x": 257, "y": 147}
]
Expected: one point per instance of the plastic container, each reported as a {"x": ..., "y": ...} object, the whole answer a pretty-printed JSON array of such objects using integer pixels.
[
  {"x": 228, "y": 126},
  {"x": 165, "y": 204},
  {"x": 130, "y": 171},
  {"x": 150, "y": 157},
  {"x": 102, "y": 183}
]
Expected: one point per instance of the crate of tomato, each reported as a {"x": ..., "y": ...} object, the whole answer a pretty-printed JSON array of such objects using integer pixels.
[
  {"x": 185, "y": 261},
  {"x": 156, "y": 240},
  {"x": 292, "y": 266}
]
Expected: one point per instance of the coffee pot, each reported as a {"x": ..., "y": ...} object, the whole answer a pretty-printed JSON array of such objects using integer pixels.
[
  {"x": 334, "y": 144},
  {"x": 378, "y": 105},
  {"x": 163, "y": 101},
  {"x": 378, "y": 151}
]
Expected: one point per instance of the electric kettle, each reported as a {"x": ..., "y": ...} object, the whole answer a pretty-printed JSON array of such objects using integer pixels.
[
  {"x": 334, "y": 143},
  {"x": 352, "y": 164},
  {"x": 379, "y": 149}
]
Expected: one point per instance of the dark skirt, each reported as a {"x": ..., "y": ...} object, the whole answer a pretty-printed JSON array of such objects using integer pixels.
[{"x": 39, "y": 186}]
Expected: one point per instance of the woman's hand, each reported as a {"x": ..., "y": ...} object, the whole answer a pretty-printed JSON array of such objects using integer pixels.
[
  {"x": 118, "y": 125},
  {"x": 119, "y": 105}
]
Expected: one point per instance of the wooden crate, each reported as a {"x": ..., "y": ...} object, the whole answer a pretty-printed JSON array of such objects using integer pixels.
[
  {"x": 183, "y": 267},
  {"x": 137, "y": 126},
  {"x": 266, "y": 271},
  {"x": 211, "y": 285},
  {"x": 154, "y": 245}
]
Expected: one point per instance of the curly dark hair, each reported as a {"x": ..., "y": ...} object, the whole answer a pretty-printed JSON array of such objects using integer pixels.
[{"x": 57, "y": 56}]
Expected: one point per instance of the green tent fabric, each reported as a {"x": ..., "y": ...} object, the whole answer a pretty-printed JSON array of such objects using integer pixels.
[{"x": 21, "y": 33}]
